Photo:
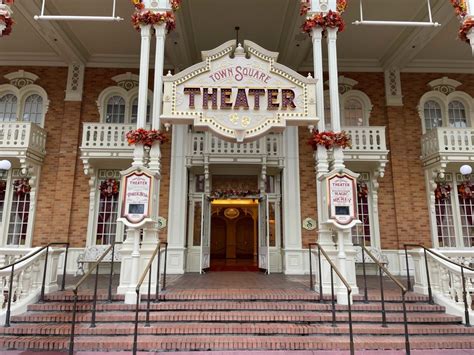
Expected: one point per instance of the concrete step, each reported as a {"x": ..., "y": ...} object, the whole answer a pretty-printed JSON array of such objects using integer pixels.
[
  {"x": 224, "y": 342},
  {"x": 235, "y": 316},
  {"x": 156, "y": 328},
  {"x": 233, "y": 305}
]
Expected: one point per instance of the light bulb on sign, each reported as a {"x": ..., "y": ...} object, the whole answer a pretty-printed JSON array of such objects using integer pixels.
[{"x": 465, "y": 170}]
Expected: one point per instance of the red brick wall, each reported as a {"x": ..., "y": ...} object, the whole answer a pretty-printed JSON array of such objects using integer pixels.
[{"x": 63, "y": 193}]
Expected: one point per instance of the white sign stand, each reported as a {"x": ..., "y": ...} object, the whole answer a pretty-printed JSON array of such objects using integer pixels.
[
  {"x": 139, "y": 210},
  {"x": 339, "y": 189}
]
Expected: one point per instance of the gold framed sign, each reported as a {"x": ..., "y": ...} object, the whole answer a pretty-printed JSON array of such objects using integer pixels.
[
  {"x": 342, "y": 199},
  {"x": 138, "y": 202}
]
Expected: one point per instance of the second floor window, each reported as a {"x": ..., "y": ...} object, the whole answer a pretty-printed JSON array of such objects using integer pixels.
[{"x": 23, "y": 107}]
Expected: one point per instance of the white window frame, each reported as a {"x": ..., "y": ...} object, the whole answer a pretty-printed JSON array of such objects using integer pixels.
[
  {"x": 128, "y": 95},
  {"x": 365, "y": 103},
  {"x": 358, "y": 95},
  {"x": 12, "y": 175},
  {"x": 453, "y": 179},
  {"x": 443, "y": 101},
  {"x": 100, "y": 176},
  {"x": 21, "y": 95}
]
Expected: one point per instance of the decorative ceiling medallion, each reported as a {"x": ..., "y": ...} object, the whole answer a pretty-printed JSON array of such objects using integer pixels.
[
  {"x": 231, "y": 213},
  {"x": 240, "y": 94}
]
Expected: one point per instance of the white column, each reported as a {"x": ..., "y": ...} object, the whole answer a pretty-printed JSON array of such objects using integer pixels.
[
  {"x": 293, "y": 256},
  {"x": 177, "y": 201},
  {"x": 334, "y": 94},
  {"x": 321, "y": 155},
  {"x": 142, "y": 90}
]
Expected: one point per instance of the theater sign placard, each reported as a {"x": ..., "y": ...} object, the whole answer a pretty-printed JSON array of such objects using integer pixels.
[{"x": 239, "y": 93}]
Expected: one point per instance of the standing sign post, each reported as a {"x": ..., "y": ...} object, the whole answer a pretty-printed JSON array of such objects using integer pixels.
[
  {"x": 340, "y": 197},
  {"x": 139, "y": 210}
]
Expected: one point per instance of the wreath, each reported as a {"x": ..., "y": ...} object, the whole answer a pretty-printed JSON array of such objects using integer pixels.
[
  {"x": 442, "y": 191},
  {"x": 145, "y": 137},
  {"x": 151, "y": 18},
  {"x": 21, "y": 187},
  {"x": 6, "y": 22},
  {"x": 332, "y": 19},
  {"x": 466, "y": 190},
  {"x": 330, "y": 139},
  {"x": 460, "y": 7},
  {"x": 362, "y": 190},
  {"x": 3, "y": 186},
  {"x": 142, "y": 17},
  {"x": 109, "y": 188},
  {"x": 464, "y": 30},
  {"x": 227, "y": 194}
]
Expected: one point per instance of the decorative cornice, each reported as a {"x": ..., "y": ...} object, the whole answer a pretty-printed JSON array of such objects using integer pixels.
[
  {"x": 21, "y": 78},
  {"x": 444, "y": 85}
]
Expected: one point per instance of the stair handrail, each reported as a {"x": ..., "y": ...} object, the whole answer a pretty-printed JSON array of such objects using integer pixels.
[
  {"x": 43, "y": 283},
  {"x": 158, "y": 250},
  {"x": 403, "y": 289},
  {"x": 343, "y": 280},
  {"x": 95, "y": 266},
  {"x": 426, "y": 250}
]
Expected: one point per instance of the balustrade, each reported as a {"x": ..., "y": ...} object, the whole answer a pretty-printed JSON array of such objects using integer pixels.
[
  {"x": 105, "y": 136},
  {"x": 447, "y": 141},
  {"x": 22, "y": 135},
  {"x": 28, "y": 277},
  {"x": 370, "y": 138}
]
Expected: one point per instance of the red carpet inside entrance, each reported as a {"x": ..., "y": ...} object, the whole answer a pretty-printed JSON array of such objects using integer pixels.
[{"x": 234, "y": 265}]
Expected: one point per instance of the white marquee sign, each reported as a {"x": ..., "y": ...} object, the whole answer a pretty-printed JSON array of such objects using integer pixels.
[{"x": 239, "y": 94}]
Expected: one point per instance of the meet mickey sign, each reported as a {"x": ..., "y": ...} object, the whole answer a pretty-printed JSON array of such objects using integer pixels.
[
  {"x": 341, "y": 198},
  {"x": 139, "y": 202},
  {"x": 239, "y": 93}
]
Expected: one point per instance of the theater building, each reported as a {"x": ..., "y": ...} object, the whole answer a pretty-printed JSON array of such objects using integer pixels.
[{"x": 239, "y": 185}]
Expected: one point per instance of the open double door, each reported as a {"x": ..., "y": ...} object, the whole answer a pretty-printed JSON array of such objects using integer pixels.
[{"x": 263, "y": 234}]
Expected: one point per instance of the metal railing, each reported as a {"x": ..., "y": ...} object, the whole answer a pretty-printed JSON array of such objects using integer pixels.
[
  {"x": 382, "y": 270},
  {"x": 94, "y": 266},
  {"x": 148, "y": 270},
  {"x": 29, "y": 256},
  {"x": 343, "y": 280},
  {"x": 430, "y": 294}
]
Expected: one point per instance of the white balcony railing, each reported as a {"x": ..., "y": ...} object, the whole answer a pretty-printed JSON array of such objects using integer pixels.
[
  {"x": 447, "y": 141},
  {"x": 368, "y": 139},
  {"x": 209, "y": 144},
  {"x": 105, "y": 136},
  {"x": 23, "y": 136}
]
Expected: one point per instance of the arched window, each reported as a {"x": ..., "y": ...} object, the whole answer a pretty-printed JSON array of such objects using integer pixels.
[
  {"x": 8, "y": 108},
  {"x": 353, "y": 113},
  {"x": 433, "y": 115},
  {"x": 457, "y": 115},
  {"x": 115, "y": 110},
  {"x": 33, "y": 109},
  {"x": 119, "y": 106}
]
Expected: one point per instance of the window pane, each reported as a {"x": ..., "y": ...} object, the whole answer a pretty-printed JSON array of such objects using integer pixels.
[
  {"x": 8, "y": 107},
  {"x": 108, "y": 212},
  {"x": 361, "y": 231},
  {"x": 115, "y": 110},
  {"x": 457, "y": 115},
  {"x": 466, "y": 209},
  {"x": 271, "y": 223},
  {"x": 133, "y": 119},
  {"x": 33, "y": 111},
  {"x": 3, "y": 189},
  {"x": 353, "y": 115},
  {"x": 444, "y": 216},
  {"x": 19, "y": 214},
  {"x": 433, "y": 117},
  {"x": 197, "y": 223}
]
